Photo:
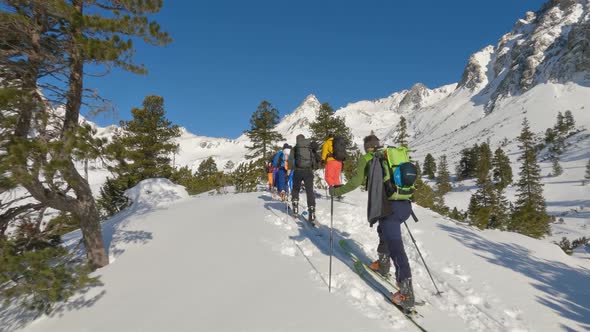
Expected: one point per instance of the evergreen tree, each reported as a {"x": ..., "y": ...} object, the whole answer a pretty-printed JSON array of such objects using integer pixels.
[
  {"x": 439, "y": 203},
  {"x": 57, "y": 39},
  {"x": 556, "y": 167},
  {"x": 569, "y": 122},
  {"x": 402, "y": 132},
  {"x": 443, "y": 178},
  {"x": 550, "y": 135},
  {"x": 327, "y": 124},
  {"x": 502, "y": 171},
  {"x": 560, "y": 126},
  {"x": 501, "y": 211},
  {"x": 456, "y": 214},
  {"x": 246, "y": 177},
  {"x": 423, "y": 194},
  {"x": 185, "y": 177},
  {"x": 467, "y": 167},
  {"x": 429, "y": 166},
  {"x": 481, "y": 205},
  {"x": 349, "y": 165},
  {"x": 587, "y": 175},
  {"x": 262, "y": 134},
  {"x": 484, "y": 161},
  {"x": 112, "y": 199},
  {"x": 207, "y": 168},
  {"x": 144, "y": 145},
  {"x": 529, "y": 216},
  {"x": 418, "y": 168}
]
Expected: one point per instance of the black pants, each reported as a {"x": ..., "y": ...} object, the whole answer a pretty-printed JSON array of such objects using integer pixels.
[{"x": 305, "y": 175}]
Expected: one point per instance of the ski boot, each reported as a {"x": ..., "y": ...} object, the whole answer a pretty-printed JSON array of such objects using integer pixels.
[
  {"x": 311, "y": 211},
  {"x": 405, "y": 296},
  {"x": 295, "y": 207},
  {"x": 382, "y": 265}
]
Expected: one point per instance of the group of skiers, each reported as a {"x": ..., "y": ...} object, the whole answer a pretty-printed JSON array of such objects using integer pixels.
[{"x": 388, "y": 176}]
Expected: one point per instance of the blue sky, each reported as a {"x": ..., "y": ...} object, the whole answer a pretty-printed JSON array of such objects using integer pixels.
[{"x": 228, "y": 56}]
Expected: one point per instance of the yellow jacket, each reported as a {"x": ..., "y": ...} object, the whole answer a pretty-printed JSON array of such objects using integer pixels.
[{"x": 327, "y": 150}]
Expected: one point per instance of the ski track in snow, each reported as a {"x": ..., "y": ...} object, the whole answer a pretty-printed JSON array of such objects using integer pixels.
[{"x": 478, "y": 311}]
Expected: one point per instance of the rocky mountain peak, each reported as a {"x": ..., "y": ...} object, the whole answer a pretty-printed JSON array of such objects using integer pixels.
[
  {"x": 550, "y": 45},
  {"x": 414, "y": 98}
]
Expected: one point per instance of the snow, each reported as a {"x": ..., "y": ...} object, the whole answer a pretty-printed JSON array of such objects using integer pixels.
[{"x": 237, "y": 262}]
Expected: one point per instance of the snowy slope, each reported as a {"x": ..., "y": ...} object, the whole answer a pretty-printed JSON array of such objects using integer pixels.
[{"x": 193, "y": 264}]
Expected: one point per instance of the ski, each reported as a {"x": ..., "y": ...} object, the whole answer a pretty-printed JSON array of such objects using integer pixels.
[
  {"x": 344, "y": 245},
  {"x": 410, "y": 315}
]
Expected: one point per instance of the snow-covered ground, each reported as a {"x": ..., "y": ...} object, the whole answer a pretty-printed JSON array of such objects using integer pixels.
[{"x": 237, "y": 262}]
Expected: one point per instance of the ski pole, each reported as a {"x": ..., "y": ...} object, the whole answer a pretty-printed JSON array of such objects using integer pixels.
[
  {"x": 331, "y": 241},
  {"x": 423, "y": 261}
]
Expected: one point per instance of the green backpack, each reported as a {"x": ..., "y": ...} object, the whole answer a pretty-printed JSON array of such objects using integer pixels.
[{"x": 399, "y": 174}]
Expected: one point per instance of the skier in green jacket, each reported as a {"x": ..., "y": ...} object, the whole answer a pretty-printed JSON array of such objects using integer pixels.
[{"x": 389, "y": 228}]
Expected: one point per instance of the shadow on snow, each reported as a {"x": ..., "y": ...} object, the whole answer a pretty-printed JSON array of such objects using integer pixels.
[{"x": 564, "y": 287}]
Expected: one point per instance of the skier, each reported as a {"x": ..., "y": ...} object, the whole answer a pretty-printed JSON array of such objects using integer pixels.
[
  {"x": 389, "y": 228},
  {"x": 279, "y": 162},
  {"x": 270, "y": 173},
  {"x": 303, "y": 159},
  {"x": 333, "y": 154}
]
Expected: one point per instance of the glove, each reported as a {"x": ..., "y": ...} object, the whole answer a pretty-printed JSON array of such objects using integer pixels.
[{"x": 332, "y": 188}]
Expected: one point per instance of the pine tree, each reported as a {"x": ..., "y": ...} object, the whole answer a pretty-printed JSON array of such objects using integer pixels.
[
  {"x": 402, "y": 132},
  {"x": 143, "y": 147},
  {"x": 481, "y": 205},
  {"x": 112, "y": 199},
  {"x": 456, "y": 214},
  {"x": 550, "y": 135},
  {"x": 429, "y": 166},
  {"x": 484, "y": 162},
  {"x": 349, "y": 165},
  {"x": 423, "y": 194},
  {"x": 467, "y": 167},
  {"x": 560, "y": 126},
  {"x": 556, "y": 169},
  {"x": 57, "y": 39},
  {"x": 569, "y": 122},
  {"x": 502, "y": 171},
  {"x": 327, "y": 124},
  {"x": 262, "y": 134},
  {"x": 443, "y": 183},
  {"x": 501, "y": 211},
  {"x": 587, "y": 175},
  {"x": 246, "y": 177},
  {"x": 529, "y": 216},
  {"x": 418, "y": 168}
]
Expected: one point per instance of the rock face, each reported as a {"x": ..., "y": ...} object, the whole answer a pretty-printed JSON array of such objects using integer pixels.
[
  {"x": 551, "y": 45},
  {"x": 414, "y": 99}
]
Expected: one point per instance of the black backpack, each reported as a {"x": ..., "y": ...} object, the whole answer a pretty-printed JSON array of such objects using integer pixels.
[
  {"x": 304, "y": 156},
  {"x": 339, "y": 148}
]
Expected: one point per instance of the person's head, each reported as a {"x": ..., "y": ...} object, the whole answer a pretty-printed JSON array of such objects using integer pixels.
[
  {"x": 286, "y": 146},
  {"x": 370, "y": 143},
  {"x": 299, "y": 138}
]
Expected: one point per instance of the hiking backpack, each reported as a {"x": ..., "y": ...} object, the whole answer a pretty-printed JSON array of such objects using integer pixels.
[
  {"x": 279, "y": 160},
  {"x": 304, "y": 156},
  {"x": 339, "y": 148},
  {"x": 399, "y": 174}
]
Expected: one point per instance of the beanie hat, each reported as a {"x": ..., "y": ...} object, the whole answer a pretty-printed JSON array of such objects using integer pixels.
[{"x": 370, "y": 141}]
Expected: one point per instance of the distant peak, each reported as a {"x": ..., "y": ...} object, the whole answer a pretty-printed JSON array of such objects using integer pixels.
[
  {"x": 310, "y": 102},
  {"x": 311, "y": 98}
]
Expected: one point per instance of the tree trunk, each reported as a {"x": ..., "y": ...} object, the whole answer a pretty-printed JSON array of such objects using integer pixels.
[{"x": 85, "y": 209}]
